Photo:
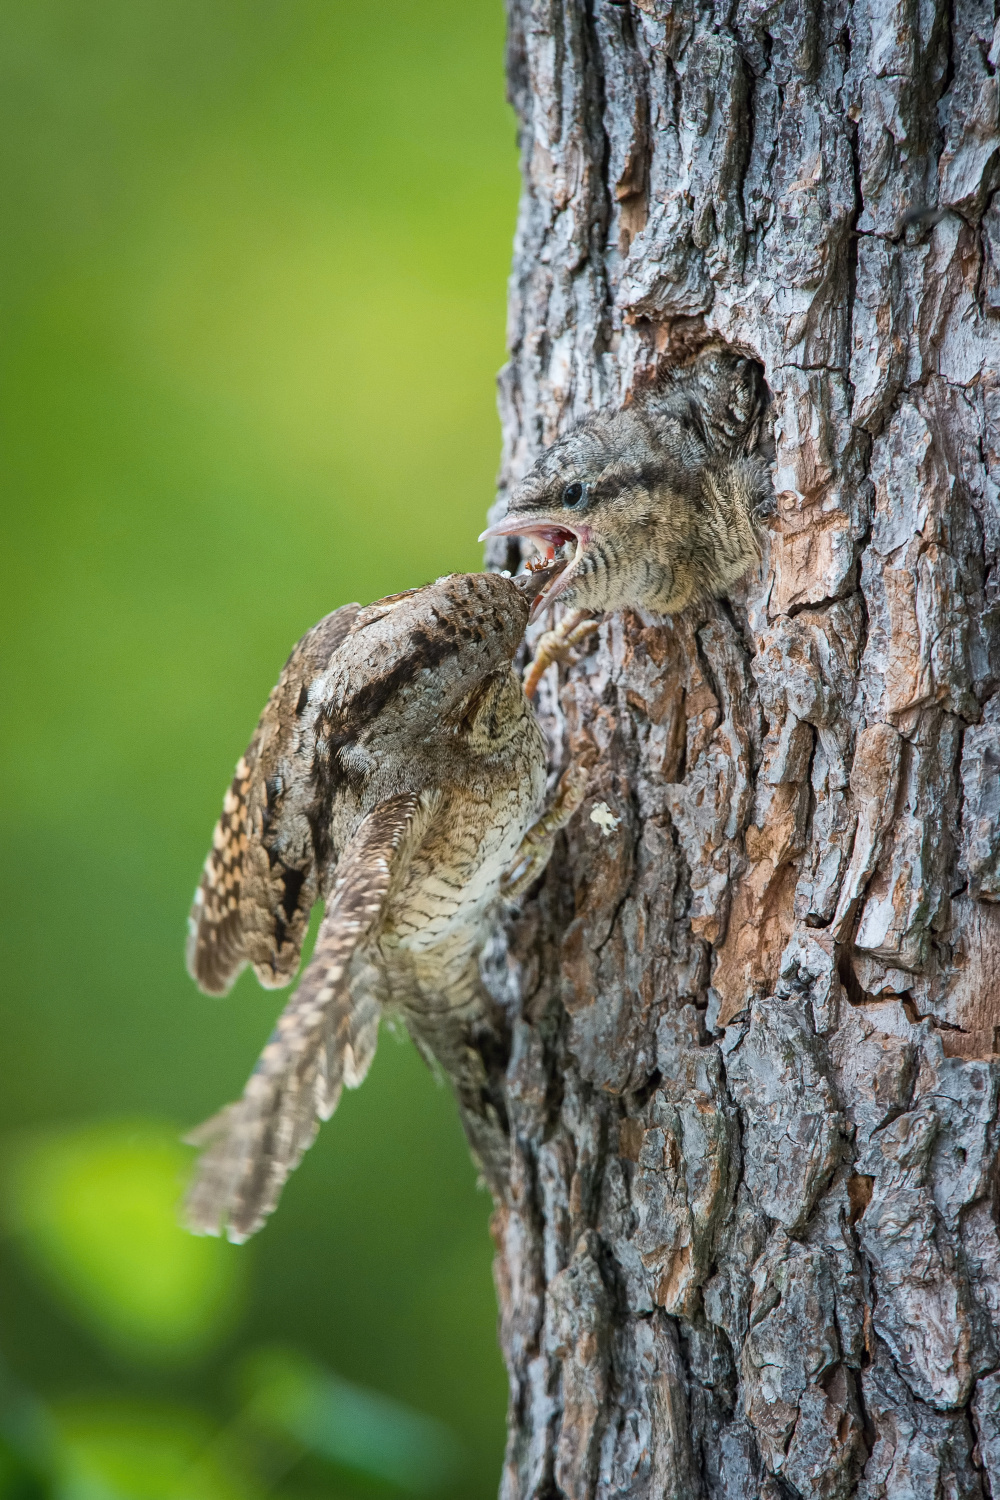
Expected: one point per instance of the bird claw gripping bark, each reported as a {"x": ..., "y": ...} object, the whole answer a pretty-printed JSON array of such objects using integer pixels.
[
  {"x": 536, "y": 846},
  {"x": 557, "y": 645}
]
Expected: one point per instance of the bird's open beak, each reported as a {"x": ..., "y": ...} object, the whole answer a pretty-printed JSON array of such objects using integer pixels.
[{"x": 549, "y": 536}]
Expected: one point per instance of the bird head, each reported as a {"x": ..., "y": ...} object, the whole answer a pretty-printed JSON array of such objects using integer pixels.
[
  {"x": 425, "y": 675},
  {"x": 634, "y": 508}
]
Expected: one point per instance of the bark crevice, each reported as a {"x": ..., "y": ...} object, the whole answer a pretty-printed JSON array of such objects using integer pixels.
[{"x": 749, "y": 1247}]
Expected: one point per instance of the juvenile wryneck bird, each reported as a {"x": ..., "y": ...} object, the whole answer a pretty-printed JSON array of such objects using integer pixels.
[{"x": 656, "y": 503}]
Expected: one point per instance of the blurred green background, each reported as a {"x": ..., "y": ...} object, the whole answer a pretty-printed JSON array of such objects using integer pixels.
[{"x": 254, "y": 261}]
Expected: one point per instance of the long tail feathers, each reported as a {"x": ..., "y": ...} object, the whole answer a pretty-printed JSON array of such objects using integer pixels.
[{"x": 325, "y": 1038}]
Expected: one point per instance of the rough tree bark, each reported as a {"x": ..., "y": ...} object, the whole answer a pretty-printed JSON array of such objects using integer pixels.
[{"x": 749, "y": 1245}]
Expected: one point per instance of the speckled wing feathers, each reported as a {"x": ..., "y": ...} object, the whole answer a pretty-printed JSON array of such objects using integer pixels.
[
  {"x": 259, "y": 881},
  {"x": 324, "y": 1038},
  {"x": 393, "y": 773}
]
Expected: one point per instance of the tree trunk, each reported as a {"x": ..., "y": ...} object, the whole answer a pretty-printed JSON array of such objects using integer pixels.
[{"x": 749, "y": 1246}]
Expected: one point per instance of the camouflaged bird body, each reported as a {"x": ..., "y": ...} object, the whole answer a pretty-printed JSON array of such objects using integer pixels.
[
  {"x": 433, "y": 932},
  {"x": 395, "y": 773},
  {"x": 424, "y": 959},
  {"x": 487, "y": 785}
]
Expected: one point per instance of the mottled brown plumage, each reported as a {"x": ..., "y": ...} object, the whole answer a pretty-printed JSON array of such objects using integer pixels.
[
  {"x": 660, "y": 500},
  {"x": 395, "y": 772}
]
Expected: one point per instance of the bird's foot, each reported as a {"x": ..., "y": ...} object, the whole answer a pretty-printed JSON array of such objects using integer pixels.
[
  {"x": 536, "y": 846},
  {"x": 557, "y": 645}
]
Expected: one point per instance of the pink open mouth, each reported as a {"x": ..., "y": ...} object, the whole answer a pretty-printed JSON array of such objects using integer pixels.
[{"x": 549, "y": 537}]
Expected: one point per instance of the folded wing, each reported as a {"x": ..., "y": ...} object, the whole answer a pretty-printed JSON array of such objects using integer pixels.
[{"x": 260, "y": 879}]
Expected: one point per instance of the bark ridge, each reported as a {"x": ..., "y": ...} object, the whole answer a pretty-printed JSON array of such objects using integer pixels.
[{"x": 749, "y": 1246}]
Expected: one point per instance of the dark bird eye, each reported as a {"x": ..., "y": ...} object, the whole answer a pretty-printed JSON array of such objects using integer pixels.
[{"x": 573, "y": 494}]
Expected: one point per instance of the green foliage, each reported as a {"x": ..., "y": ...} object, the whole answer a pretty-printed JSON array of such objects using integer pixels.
[
  {"x": 291, "y": 1408},
  {"x": 129, "y": 1450},
  {"x": 350, "y": 1427},
  {"x": 27, "y": 1446},
  {"x": 95, "y": 1210},
  {"x": 253, "y": 262}
]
